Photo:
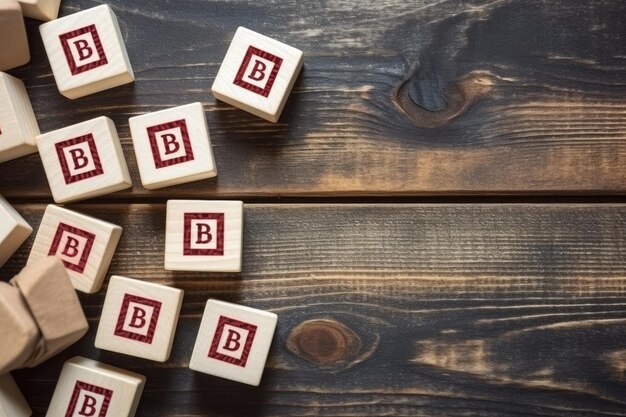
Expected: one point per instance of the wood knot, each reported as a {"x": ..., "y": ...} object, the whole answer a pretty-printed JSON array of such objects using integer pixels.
[
  {"x": 458, "y": 97},
  {"x": 324, "y": 342}
]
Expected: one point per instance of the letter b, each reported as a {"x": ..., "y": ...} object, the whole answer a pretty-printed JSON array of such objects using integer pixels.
[
  {"x": 258, "y": 71},
  {"x": 79, "y": 158},
  {"x": 138, "y": 319},
  {"x": 170, "y": 143},
  {"x": 83, "y": 49},
  {"x": 71, "y": 247},
  {"x": 232, "y": 341},
  {"x": 89, "y": 406},
  {"x": 204, "y": 235}
]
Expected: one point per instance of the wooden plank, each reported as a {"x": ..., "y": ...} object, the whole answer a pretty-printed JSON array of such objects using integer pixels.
[
  {"x": 438, "y": 310},
  {"x": 396, "y": 97}
]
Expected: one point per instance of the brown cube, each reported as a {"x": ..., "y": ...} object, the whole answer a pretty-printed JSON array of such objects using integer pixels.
[
  {"x": 19, "y": 333},
  {"x": 53, "y": 303},
  {"x": 13, "y": 39}
]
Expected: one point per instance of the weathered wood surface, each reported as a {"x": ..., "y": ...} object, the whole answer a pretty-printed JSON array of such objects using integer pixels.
[
  {"x": 397, "y": 97},
  {"x": 416, "y": 310}
]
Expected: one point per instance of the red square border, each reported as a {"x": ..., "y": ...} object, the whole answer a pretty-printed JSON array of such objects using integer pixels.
[
  {"x": 223, "y": 321},
  {"x": 188, "y": 250},
  {"x": 83, "y": 386},
  {"x": 69, "y": 178},
  {"x": 84, "y": 256},
  {"x": 271, "y": 78},
  {"x": 65, "y": 38},
  {"x": 119, "y": 327},
  {"x": 153, "y": 130}
]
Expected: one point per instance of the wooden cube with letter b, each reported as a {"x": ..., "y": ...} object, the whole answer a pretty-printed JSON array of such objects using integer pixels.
[
  {"x": 84, "y": 160},
  {"x": 233, "y": 342},
  {"x": 85, "y": 245},
  {"x": 89, "y": 388},
  {"x": 172, "y": 146},
  {"x": 86, "y": 52},
  {"x": 257, "y": 74},
  {"x": 204, "y": 235},
  {"x": 139, "y": 318},
  {"x": 14, "y": 230}
]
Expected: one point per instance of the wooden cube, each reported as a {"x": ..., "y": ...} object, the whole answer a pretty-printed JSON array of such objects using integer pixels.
[
  {"x": 90, "y": 388},
  {"x": 13, "y": 230},
  {"x": 85, "y": 245},
  {"x": 12, "y": 402},
  {"x": 172, "y": 146},
  {"x": 257, "y": 74},
  {"x": 204, "y": 235},
  {"x": 53, "y": 303},
  {"x": 84, "y": 160},
  {"x": 19, "y": 331},
  {"x": 139, "y": 318},
  {"x": 18, "y": 124},
  {"x": 41, "y": 9},
  {"x": 86, "y": 52},
  {"x": 233, "y": 342},
  {"x": 13, "y": 39}
]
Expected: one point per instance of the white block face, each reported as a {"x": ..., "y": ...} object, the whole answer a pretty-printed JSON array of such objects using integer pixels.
[
  {"x": 85, "y": 244},
  {"x": 41, "y": 9},
  {"x": 90, "y": 388},
  {"x": 86, "y": 52},
  {"x": 18, "y": 124},
  {"x": 204, "y": 236},
  {"x": 257, "y": 74},
  {"x": 12, "y": 402},
  {"x": 13, "y": 230},
  {"x": 139, "y": 318},
  {"x": 84, "y": 160},
  {"x": 172, "y": 146},
  {"x": 233, "y": 342}
]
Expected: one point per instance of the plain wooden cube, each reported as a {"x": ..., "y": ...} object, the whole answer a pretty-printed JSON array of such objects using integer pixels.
[
  {"x": 18, "y": 124},
  {"x": 85, "y": 245},
  {"x": 173, "y": 146},
  {"x": 19, "y": 331},
  {"x": 257, "y": 74},
  {"x": 12, "y": 402},
  {"x": 14, "y": 230},
  {"x": 13, "y": 39},
  {"x": 54, "y": 305},
  {"x": 89, "y": 388},
  {"x": 233, "y": 342},
  {"x": 41, "y": 9},
  {"x": 87, "y": 52},
  {"x": 139, "y": 318},
  {"x": 204, "y": 236},
  {"x": 84, "y": 160}
]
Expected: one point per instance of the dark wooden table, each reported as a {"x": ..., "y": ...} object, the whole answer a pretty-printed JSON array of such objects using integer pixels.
[{"x": 438, "y": 218}]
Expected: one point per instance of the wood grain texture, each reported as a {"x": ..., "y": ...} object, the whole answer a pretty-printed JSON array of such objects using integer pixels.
[
  {"x": 396, "y": 97},
  {"x": 434, "y": 310}
]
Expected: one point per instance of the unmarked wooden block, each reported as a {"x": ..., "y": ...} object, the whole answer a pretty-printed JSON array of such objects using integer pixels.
[
  {"x": 257, "y": 74},
  {"x": 13, "y": 230},
  {"x": 204, "y": 236},
  {"x": 173, "y": 146},
  {"x": 41, "y": 9},
  {"x": 139, "y": 318},
  {"x": 233, "y": 342},
  {"x": 85, "y": 245},
  {"x": 53, "y": 304},
  {"x": 84, "y": 160},
  {"x": 18, "y": 124},
  {"x": 12, "y": 402},
  {"x": 89, "y": 388},
  {"x": 13, "y": 39},
  {"x": 87, "y": 52},
  {"x": 20, "y": 335}
]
